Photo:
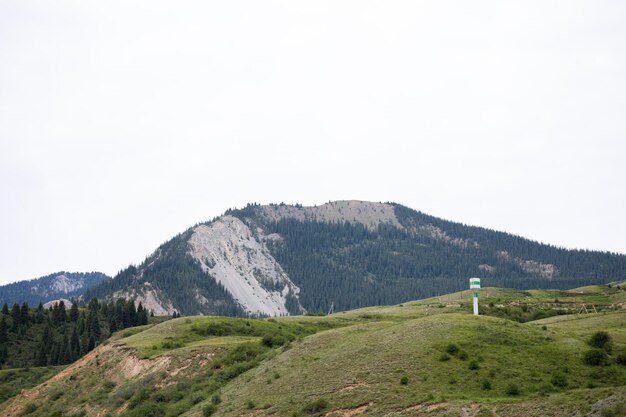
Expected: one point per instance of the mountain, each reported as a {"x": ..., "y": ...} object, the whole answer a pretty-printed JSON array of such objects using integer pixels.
[
  {"x": 422, "y": 358},
  {"x": 282, "y": 259},
  {"x": 60, "y": 285}
]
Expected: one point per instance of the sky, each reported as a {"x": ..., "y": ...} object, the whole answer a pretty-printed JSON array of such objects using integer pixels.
[{"x": 123, "y": 123}]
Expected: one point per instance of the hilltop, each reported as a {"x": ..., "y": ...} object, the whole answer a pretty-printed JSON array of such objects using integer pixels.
[
  {"x": 429, "y": 357},
  {"x": 283, "y": 259}
]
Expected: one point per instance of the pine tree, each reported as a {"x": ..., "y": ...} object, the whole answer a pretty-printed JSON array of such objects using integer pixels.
[
  {"x": 91, "y": 344},
  {"x": 24, "y": 314},
  {"x": 142, "y": 315},
  {"x": 74, "y": 313},
  {"x": 3, "y": 330},
  {"x": 42, "y": 359},
  {"x": 94, "y": 328},
  {"x": 75, "y": 343},
  {"x": 62, "y": 312},
  {"x": 5, "y": 309},
  {"x": 16, "y": 315}
]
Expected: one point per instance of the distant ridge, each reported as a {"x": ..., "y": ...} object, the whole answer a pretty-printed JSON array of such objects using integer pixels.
[
  {"x": 287, "y": 259},
  {"x": 50, "y": 287}
]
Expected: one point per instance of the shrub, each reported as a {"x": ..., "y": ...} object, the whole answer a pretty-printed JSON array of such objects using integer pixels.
[
  {"x": 559, "y": 380},
  {"x": 108, "y": 385},
  {"x": 216, "y": 399},
  {"x": 596, "y": 357},
  {"x": 473, "y": 365},
  {"x": 452, "y": 349},
  {"x": 444, "y": 357},
  {"x": 250, "y": 405},
  {"x": 621, "y": 359},
  {"x": 601, "y": 340},
  {"x": 316, "y": 406},
  {"x": 463, "y": 356},
  {"x": 404, "y": 380},
  {"x": 196, "y": 399},
  {"x": 512, "y": 389},
  {"x": 544, "y": 327},
  {"x": 486, "y": 385},
  {"x": 208, "y": 410},
  {"x": 30, "y": 408}
]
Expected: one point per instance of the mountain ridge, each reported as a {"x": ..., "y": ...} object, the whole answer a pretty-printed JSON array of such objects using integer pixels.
[
  {"x": 278, "y": 259},
  {"x": 50, "y": 287}
]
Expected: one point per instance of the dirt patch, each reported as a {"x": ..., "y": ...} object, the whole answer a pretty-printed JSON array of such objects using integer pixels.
[
  {"x": 469, "y": 410},
  {"x": 422, "y": 407},
  {"x": 352, "y": 387},
  {"x": 132, "y": 366},
  {"x": 349, "y": 412}
]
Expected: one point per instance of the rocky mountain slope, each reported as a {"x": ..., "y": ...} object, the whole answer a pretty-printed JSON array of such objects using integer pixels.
[
  {"x": 60, "y": 285},
  {"x": 281, "y": 259}
]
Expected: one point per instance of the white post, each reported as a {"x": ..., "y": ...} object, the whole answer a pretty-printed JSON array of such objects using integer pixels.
[
  {"x": 475, "y": 285},
  {"x": 475, "y": 303}
]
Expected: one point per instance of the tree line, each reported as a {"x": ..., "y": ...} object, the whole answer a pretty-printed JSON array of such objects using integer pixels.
[{"x": 58, "y": 335}]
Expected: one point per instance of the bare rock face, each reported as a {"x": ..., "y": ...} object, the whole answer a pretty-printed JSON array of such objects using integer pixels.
[
  {"x": 239, "y": 259},
  {"x": 149, "y": 298},
  {"x": 369, "y": 214}
]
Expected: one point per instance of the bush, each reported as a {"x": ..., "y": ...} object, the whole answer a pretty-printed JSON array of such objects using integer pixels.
[
  {"x": 559, "y": 380},
  {"x": 404, "y": 380},
  {"x": 216, "y": 399},
  {"x": 596, "y": 357},
  {"x": 444, "y": 357},
  {"x": 196, "y": 399},
  {"x": 250, "y": 405},
  {"x": 621, "y": 359},
  {"x": 208, "y": 410},
  {"x": 463, "y": 356},
  {"x": 601, "y": 340},
  {"x": 486, "y": 385},
  {"x": 512, "y": 389},
  {"x": 473, "y": 365},
  {"x": 30, "y": 408},
  {"x": 452, "y": 349},
  {"x": 316, "y": 406}
]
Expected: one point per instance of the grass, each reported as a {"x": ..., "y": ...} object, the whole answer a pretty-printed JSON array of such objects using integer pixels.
[
  {"x": 12, "y": 381},
  {"x": 392, "y": 359}
]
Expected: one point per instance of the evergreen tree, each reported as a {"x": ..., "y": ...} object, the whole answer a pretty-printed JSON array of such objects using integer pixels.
[
  {"x": 42, "y": 359},
  {"x": 74, "y": 313},
  {"x": 46, "y": 339},
  {"x": 5, "y": 309},
  {"x": 16, "y": 315},
  {"x": 94, "y": 329},
  {"x": 142, "y": 316},
  {"x": 62, "y": 312},
  {"x": 91, "y": 344},
  {"x": 75, "y": 344},
  {"x": 24, "y": 314},
  {"x": 3, "y": 330}
]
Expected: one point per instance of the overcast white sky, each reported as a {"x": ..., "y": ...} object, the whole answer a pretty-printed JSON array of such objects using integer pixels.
[{"x": 122, "y": 123}]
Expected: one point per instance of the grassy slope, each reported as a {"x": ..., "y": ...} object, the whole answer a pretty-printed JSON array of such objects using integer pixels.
[{"x": 355, "y": 363}]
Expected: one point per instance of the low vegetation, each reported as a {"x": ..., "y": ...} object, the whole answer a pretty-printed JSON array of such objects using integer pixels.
[{"x": 410, "y": 359}]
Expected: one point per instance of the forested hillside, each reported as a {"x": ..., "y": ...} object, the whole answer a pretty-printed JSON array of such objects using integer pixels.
[
  {"x": 60, "y": 335},
  {"x": 354, "y": 266},
  {"x": 50, "y": 287},
  {"x": 278, "y": 259}
]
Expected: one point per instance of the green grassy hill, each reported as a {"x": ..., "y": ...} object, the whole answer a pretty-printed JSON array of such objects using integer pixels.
[{"x": 429, "y": 357}]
